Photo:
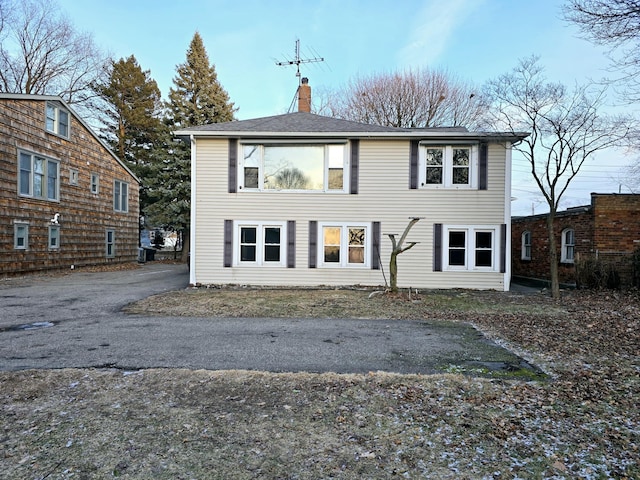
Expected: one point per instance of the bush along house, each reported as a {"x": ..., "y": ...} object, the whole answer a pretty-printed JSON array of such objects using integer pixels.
[
  {"x": 305, "y": 200},
  {"x": 65, "y": 199},
  {"x": 598, "y": 244}
]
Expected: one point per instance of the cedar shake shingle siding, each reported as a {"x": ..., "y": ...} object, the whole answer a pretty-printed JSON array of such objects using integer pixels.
[
  {"x": 84, "y": 216},
  {"x": 608, "y": 229}
]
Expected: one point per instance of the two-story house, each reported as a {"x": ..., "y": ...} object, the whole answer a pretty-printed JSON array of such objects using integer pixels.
[
  {"x": 65, "y": 199},
  {"x": 305, "y": 200}
]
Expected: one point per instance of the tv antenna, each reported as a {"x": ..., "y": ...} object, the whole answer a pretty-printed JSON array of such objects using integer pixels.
[{"x": 297, "y": 61}]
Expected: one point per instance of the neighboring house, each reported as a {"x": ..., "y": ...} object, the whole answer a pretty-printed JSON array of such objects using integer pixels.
[
  {"x": 608, "y": 230},
  {"x": 65, "y": 199},
  {"x": 305, "y": 200}
]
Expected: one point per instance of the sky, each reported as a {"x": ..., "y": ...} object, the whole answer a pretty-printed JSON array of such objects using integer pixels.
[{"x": 476, "y": 40}]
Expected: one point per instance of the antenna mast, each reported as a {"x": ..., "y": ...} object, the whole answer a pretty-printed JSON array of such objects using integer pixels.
[{"x": 297, "y": 61}]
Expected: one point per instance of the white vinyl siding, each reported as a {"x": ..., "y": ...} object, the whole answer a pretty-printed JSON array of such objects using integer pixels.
[{"x": 383, "y": 196}]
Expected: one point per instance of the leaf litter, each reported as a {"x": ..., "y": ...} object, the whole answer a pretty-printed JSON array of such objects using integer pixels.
[{"x": 582, "y": 422}]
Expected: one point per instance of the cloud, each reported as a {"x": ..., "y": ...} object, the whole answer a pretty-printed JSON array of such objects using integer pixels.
[{"x": 433, "y": 29}]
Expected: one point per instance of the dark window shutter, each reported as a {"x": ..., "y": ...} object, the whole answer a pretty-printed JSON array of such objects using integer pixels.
[
  {"x": 228, "y": 242},
  {"x": 291, "y": 244},
  {"x": 375, "y": 246},
  {"x": 482, "y": 166},
  {"x": 437, "y": 247},
  {"x": 413, "y": 165},
  {"x": 233, "y": 165},
  {"x": 355, "y": 159},
  {"x": 313, "y": 243},
  {"x": 503, "y": 248}
]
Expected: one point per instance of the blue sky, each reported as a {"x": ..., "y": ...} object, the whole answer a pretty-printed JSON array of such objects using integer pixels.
[{"x": 474, "y": 39}]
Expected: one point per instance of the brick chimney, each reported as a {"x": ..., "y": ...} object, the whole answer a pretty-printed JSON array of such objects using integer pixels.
[{"x": 304, "y": 96}]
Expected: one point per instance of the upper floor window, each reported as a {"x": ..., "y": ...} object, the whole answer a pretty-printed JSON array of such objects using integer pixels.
[
  {"x": 470, "y": 248},
  {"x": 38, "y": 177},
  {"x": 344, "y": 245},
  {"x": 298, "y": 167},
  {"x": 57, "y": 119},
  {"x": 568, "y": 245},
  {"x": 95, "y": 183},
  {"x": 120, "y": 196},
  {"x": 448, "y": 166},
  {"x": 526, "y": 245}
]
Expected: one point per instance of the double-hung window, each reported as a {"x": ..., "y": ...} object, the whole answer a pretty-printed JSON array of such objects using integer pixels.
[
  {"x": 293, "y": 167},
  {"x": 568, "y": 246},
  {"x": 54, "y": 237},
  {"x": 470, "y": 248},
  {"x": 526, "y": 245},
  {"x": 21, "y": 236},
  {"x": 448, "y": 166},
  {"x": 344, "y": 245},
  {"x": 120, "y": 196},
  {"x": 95, "y": 183},
  {"x": 38, "y": 176},
  {"x": 110, "y": 243},
  {"x": 261, "y": 243},
  {"x": 57, "y": 119}
]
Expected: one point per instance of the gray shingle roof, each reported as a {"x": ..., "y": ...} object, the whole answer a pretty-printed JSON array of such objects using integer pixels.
[{"x": 308, "y": 124}]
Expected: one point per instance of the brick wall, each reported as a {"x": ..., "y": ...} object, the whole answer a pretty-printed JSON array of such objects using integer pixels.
[
  {"x": 608, "y": 229},
  {"x": 85, "y": 216}
]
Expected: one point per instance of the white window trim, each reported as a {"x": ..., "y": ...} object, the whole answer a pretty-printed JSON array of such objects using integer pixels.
[
  {"x": 260, "y": 227},
  {"x": 563, "y": 252},
  {"x": 344, "y": 245},
  {"x": 112, "y": 243},
  {"x": 325, "y": 189},
  {"x": 447, "y": 174},
  {"x": 470, "y": 248},
  {"x": 95, "y": 176},
  {"x": 74, "y": 176},
  {"x": 16, "y": 224},
  {"x": 53, "y": 228},
  {"x": 119, "y": 208},
  {"x": 45, "y": 185},
  {"x": 524, "y": 245},
  {"x": 57, "y": 108}
]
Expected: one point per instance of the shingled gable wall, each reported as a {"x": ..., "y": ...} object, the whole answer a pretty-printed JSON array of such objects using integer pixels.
[
  {"x": 608, "y": 229},
  {"x": 84, "y": 216}
]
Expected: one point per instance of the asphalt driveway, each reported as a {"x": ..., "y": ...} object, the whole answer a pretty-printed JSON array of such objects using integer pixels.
[{"x": 76, "y": 320}]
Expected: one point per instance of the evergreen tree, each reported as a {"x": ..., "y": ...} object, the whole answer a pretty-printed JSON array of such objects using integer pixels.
[
  {"x": 132, "y": 120},
  {"x": 197, "y": 99}
]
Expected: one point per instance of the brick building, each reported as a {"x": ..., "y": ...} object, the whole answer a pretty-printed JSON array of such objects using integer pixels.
[
  {"x": 65, "y": 198},
  {"x": 607, "y": 230}
]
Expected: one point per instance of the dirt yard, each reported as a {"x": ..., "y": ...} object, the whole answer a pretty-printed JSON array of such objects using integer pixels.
[{"x": 582, "y": 422}]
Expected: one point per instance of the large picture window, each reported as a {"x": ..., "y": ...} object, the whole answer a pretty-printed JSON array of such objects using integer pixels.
[
  {"x": 260, "y": 243},
  {"x": 448, "y": 166},
  {"x": 38, "y": 177},
  {"x": 470, "y": 248},
  {"x": 293, "y": 167},
  {"x": 344, "y": 245}
]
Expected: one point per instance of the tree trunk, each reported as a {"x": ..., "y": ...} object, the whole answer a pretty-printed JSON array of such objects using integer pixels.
[
  {"x": 553, "y": 257},
  {"x": 393, "y": 272},
  {"x": 185, "y": 245}
]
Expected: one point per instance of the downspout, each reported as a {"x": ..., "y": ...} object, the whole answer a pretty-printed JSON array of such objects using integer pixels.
[
  {"x": 193, "y": 233},
  {"x": 507, "y": 216}
]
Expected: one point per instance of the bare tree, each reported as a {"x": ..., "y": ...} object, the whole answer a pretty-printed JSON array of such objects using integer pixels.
[
  {"x": 614, "y": 24},
  {"x": 566, "y": 129},
  {"x": 42, "y": 53},
  {"x": 413, "y": 98},
  {"x": 397, "y": 247}
]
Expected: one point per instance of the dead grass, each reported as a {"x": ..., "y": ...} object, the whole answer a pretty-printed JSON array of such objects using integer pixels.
[{"x": 180, "y": 424}]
